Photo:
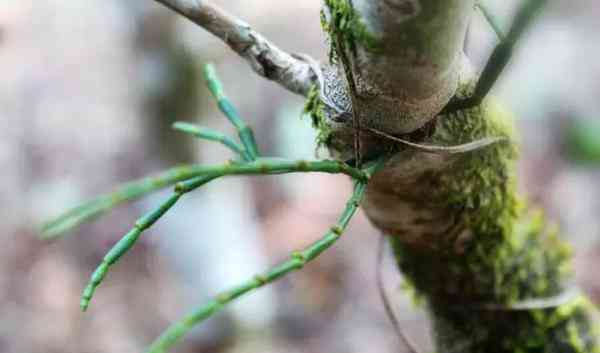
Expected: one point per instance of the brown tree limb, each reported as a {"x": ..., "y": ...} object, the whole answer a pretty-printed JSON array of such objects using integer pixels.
[{"x": 291, "y": 71}]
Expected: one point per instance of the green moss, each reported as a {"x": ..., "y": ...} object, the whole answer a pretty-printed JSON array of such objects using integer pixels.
[
  {"x": 347, "y": 23},
  {"x": 500, "y": 251},
  {"x": 415, "y": 296},
  {"x": 314, "y": 109},
  {"x": 499, "y": 262}
]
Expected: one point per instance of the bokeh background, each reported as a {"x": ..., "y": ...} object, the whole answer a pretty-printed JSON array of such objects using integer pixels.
[{"x": 88, "y": 90}]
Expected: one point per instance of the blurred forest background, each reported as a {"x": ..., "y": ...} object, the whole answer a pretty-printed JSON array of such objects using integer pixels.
[{"x": 88, "y": 91}]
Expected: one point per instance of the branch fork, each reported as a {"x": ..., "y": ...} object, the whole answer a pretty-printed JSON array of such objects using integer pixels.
[{"x": 266, "y": 59}]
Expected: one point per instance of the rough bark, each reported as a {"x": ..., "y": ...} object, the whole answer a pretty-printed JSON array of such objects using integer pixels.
[
  {"x": 413, "y": 73},
  {"x": 492, "y": 272},
  {"x": 291, "y": 71}
]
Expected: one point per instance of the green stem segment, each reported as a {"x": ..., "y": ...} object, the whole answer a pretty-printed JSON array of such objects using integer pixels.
[
  {"x": 197, "y": 176},
  {"x": 297, "y": 260},
  {"x": 96, "y": 207},
  {"x": 133, "y": 190},
  {"x": 136, "y": 189},
  {"x": 244, "y": 131},
  {"x": 212, "y": 135},
  {"x": 275, "y": 166},
  {"x": 132, "y": 236}
]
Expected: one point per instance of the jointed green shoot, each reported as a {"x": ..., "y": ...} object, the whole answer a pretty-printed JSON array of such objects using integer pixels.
[
  {"x": 96, "y": 207},
  {"x": 491, "y": 19},
  {"x": 297, "y": 260},
  {"x": 197, "y": 176},
  {"x": 212, "y": 135},
  {"x": 190, "y": 177},
  {"x": 132, "y": 236},
  {"x": 244, "y": 131}
]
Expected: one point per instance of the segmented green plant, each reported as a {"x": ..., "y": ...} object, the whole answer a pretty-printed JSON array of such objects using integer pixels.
[{"x": 190, "y": 177}]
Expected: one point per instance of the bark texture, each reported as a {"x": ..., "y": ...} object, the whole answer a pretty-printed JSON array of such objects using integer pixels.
[
  {"x": 491, "y": 270},
  {"x": 414, "y": 71},
  {"x": 292, "y": 72}
]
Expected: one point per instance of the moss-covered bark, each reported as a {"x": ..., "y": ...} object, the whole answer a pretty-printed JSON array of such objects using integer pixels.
[
  {"x": 498, "y": 254},
  {"x": 315, "y": 109},
  {"x": 490, "y": 268}
]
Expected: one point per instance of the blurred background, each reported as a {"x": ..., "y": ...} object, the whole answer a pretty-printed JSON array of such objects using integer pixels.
[{"x": 88, "y": 91}]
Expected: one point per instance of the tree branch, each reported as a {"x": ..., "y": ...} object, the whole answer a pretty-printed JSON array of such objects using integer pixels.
[
  {"x": 491, "y": 270},
  {"x": 291, "y": 71}
]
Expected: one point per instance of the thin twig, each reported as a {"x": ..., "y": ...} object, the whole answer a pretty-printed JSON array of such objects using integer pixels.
[
  {"x": 266, "y": 59},
  {"x": 339, "y": 44},
  {"x": 491, "y": 19},
  {"x": 447, "y": 150},
  {"x": 386, "y": 301},
  {"x": 566, "y": 296},
  {"x": 341, "y": 49}
]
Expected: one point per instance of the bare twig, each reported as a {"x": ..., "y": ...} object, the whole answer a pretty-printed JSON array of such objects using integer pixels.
[
  {"x": 456, "y": 149},
  {"x": 341, "y": 50},
  {"x": 568, "y": 295},
  {"x": 292, "y": 72},
  {"x": 412, "y": 348}
]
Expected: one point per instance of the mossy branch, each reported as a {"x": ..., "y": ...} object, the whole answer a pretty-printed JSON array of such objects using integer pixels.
[{"x": 480, "y": 258}]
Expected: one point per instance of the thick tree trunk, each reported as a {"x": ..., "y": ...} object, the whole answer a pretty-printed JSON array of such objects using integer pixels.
[{"x": 491, "y": 270}]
